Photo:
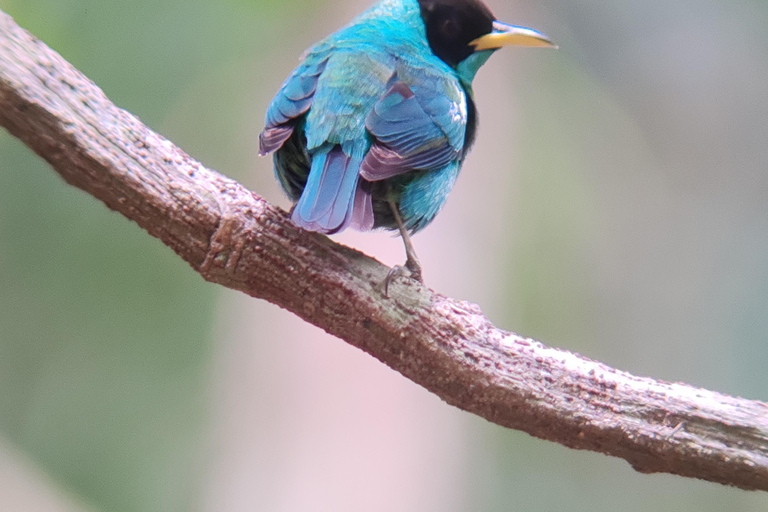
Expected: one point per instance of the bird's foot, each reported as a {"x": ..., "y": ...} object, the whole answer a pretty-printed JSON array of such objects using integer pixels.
[
  {"x": 414, "y": 267},
  {"x": 411, "y": 270}
]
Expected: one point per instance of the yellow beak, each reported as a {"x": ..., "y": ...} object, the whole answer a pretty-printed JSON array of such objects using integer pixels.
[{"x": 511, "y": 35}]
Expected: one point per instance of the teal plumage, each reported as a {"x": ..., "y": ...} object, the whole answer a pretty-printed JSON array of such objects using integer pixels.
[{"x": 372, "y": 128}]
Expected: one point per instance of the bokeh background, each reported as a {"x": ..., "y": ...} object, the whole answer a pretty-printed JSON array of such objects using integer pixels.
[{"x": 614, "y": 205}]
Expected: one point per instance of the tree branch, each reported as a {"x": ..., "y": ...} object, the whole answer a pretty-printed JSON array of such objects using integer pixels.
[{"x": 235, "y": 238}]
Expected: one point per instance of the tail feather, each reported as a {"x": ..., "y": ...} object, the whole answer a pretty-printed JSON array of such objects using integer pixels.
[
  {"x": 327, "y": 202},
  {"x": 362, "y": 213}
]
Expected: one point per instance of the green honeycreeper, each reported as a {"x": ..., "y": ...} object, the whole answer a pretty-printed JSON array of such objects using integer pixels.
[{"x": 371, "y": 129}]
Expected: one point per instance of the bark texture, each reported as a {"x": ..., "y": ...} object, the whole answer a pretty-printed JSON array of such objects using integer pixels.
[{"x": 235, "y": 238}]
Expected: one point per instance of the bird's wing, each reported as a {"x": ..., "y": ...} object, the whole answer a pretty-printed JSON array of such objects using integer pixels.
[
  {"x": 336, "y": 137},
  {"x": 292, "y": 101},
  {"x": 415, "y": 127}
]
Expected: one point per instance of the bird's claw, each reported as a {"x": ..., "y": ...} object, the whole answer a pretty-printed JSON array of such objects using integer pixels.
[{"x": 394, "y": 273}]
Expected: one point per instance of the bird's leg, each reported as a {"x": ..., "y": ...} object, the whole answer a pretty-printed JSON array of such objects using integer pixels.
[{"x": 412, "y": 261}]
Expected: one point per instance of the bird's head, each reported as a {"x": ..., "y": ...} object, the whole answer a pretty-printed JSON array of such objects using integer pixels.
[{"x": 459, "y": 29}]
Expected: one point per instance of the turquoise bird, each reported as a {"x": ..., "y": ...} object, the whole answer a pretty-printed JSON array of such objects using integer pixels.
[{"x": 371, "y": 129}]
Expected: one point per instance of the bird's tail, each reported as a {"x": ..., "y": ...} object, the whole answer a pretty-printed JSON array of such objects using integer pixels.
[{"x": 333, "y": 194}]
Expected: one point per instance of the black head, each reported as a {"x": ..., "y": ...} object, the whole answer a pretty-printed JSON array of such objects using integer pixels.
[{"x": 453, "y": 24}]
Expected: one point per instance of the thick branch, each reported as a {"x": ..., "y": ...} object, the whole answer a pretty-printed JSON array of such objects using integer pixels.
[{"x": 233, "y": 237}]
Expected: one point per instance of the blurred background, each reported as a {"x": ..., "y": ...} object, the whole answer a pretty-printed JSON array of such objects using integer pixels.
[{"x": 614, "y": 205}]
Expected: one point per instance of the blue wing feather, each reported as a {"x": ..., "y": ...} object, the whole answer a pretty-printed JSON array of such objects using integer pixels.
[
  {"x": 292, "y": 101},
  {"x": 295, "y": 96},
  {"x": 407, "y": 137}
]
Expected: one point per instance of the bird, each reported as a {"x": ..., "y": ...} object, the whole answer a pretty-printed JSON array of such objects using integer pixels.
[{"x": 372, "y": 127}]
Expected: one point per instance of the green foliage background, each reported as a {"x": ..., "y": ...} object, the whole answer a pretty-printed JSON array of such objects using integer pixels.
[{"x": 636, "y": 233}]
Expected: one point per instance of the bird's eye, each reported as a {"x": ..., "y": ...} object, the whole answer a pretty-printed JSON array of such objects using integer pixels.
[{"x": 451, "y": 26}]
